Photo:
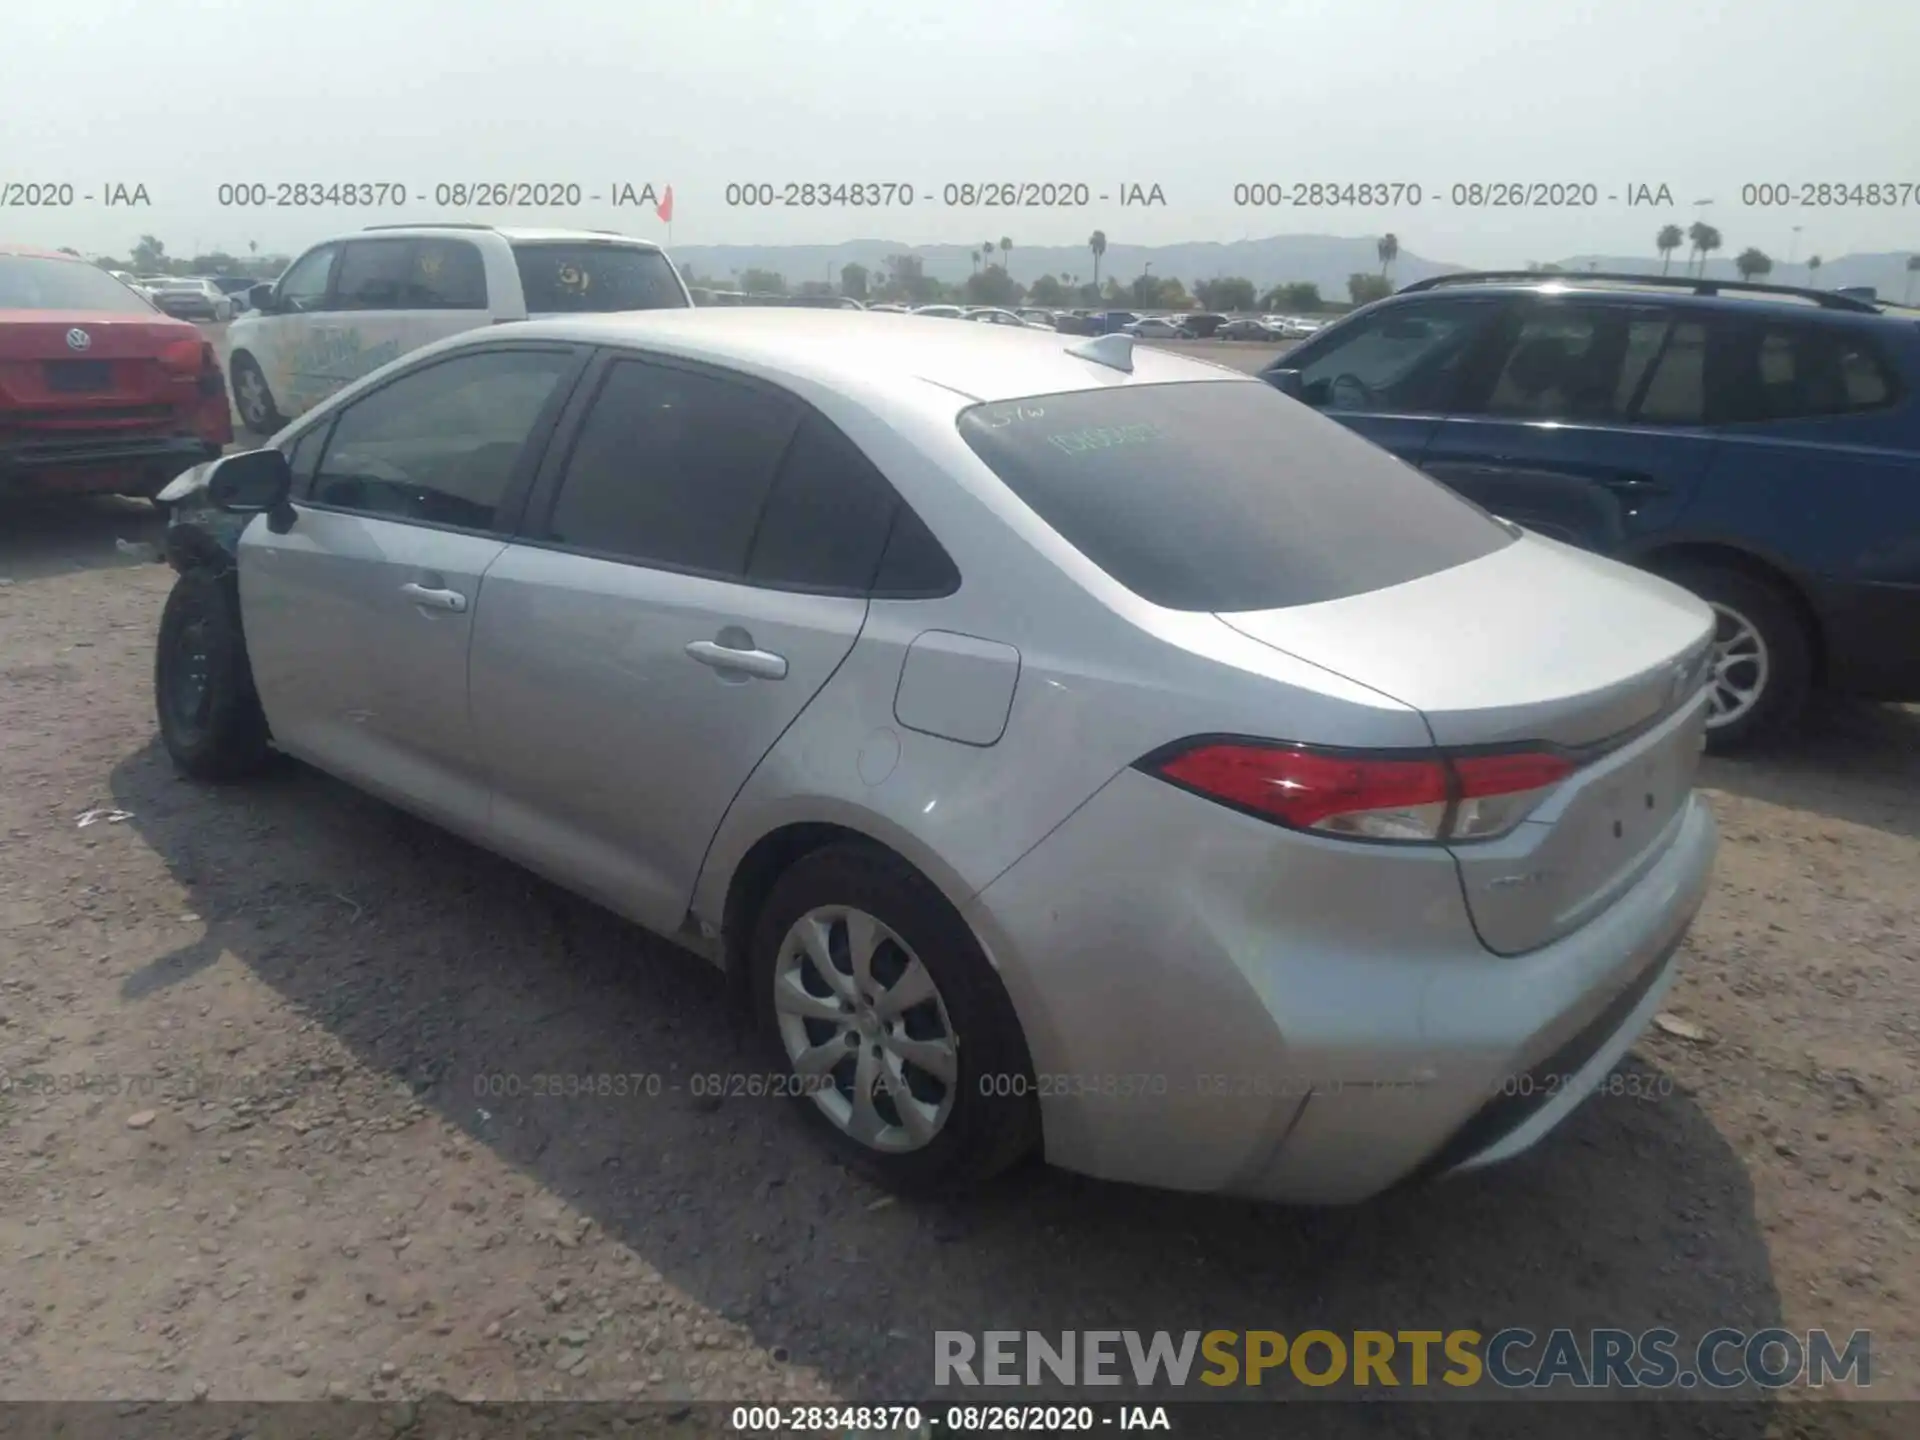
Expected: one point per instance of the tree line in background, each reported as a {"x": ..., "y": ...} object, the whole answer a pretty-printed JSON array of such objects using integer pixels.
[{"x": 904, "y": 280}]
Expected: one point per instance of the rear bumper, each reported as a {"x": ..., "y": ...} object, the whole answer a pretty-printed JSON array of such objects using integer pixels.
[
  {"x": 1217, "y": 1005},
  {"x": 1872, "y": 637},
  {"x": 110, "y": 463}
]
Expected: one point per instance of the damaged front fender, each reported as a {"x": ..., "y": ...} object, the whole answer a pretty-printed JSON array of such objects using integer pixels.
[{"x": 199, "y": 534}]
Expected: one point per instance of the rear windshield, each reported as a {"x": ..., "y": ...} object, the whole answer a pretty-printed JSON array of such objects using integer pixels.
[
  {"x": 31, "y": 282},
  {"x": 1225, "y": 495},
  {"x": 576, "y": 278}
]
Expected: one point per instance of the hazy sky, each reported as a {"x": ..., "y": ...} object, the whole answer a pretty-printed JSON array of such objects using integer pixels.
[{"x": 1196, "y": 97}]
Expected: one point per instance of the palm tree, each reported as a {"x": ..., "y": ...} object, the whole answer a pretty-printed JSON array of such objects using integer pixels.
[
  {"x": 1713, "y": 242},
  {"x": 974, "y": 255},
  {"x": 1705, "y": 240},
  {"x": 1753, "y": 262},
  {"x": 1006, "y": 249},
  {"x": 986, "y": 249},
  {"x": 1913, "y": 269},
  {"x": 1388, "y": 249},
  {"x": 1813, "y": 270},
  {"x": 1098, "y": 244},
  {"x": 1666, "y": 242}
]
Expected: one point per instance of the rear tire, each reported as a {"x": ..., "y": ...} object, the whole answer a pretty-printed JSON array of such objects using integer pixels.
[
  {"x": 210, "y": 716},
  {"x": 1763, "y": 664},
  {"x": 966, "y": 1130},
  {"x": 252, "y": 398}
]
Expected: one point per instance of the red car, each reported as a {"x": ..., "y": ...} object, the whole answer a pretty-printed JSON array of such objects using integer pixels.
[{"x": 98, "y": 390}]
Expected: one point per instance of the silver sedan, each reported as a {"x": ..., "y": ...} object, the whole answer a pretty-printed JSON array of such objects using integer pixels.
[{"x": 1067, "y": 746}]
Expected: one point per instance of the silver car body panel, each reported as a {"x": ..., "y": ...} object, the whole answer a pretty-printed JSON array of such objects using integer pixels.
[{"x": 1339, "y": 993}]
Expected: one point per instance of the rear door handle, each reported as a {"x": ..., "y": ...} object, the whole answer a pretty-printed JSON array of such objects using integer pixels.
[
  {"x": 435, "y": 599},
  {"x": 762, "y": 663}
]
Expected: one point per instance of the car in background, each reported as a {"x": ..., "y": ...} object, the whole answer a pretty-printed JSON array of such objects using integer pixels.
[
  {"x": 1247, "y": 327},
  {"x": 941, "y": 312},
  {"x": 348, "y": 305},
  {"x": 988, "y": 706},
  {"x": 98, "y": 391},
  {"x": 1203, "y": 324},
  {"x": 1044, "y": 319},
  {"x": 994, "y": 315},
  {"x": 190, "y": 297},
  {"x": 1159, "y": 327},
  {"x": 889, "y": 308},
  {"x": 1758, "y": 444}
]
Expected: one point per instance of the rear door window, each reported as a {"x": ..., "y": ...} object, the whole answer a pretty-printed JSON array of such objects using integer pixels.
[
  {"x": 1224, "y": 496},
  {"x": 586, "y": 276},
  {"x": 446, "y": 275},
  {"x": 1596, "y": 363}
]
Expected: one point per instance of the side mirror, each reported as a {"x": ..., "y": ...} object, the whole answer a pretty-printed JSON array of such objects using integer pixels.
[
  {"x": 260, "y": 297},
  {"x": 1287, "y": 382},
  {"x": 254, "y": 482}
]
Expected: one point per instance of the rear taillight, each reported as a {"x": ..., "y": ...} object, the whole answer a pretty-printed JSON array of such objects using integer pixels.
[
  {"x": 1411, "y": 798},
  {"x": 185, "y": 359}
]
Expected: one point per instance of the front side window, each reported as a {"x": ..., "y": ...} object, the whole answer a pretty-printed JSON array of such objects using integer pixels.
[
  {"x": 1221, "y": 495},
  {"x": 374, "y": 275},
  {"x": 440, "y": 444},
  {"x": 304, "y": 287},
  {"x": 1404, "y": 358},
  {"x": 672, "y": 468},
  {"x": 591, "y": 276},
  {"x": 303, "y": 456}
]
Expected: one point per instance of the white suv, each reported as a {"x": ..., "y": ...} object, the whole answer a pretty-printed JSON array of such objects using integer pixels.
[{"x": 349, "y": 305}]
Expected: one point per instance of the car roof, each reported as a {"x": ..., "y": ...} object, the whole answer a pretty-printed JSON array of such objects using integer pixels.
[
  {"x": 860, "y": 350},
  {"x": 512, "y": 234},
  {"x": 34, "y": 252},
  {"x": 1641, "y": 290}
]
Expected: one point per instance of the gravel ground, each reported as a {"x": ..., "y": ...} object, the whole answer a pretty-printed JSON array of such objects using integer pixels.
[{"x": 302, "y": 1188}]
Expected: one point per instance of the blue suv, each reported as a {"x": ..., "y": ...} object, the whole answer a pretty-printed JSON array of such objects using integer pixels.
[{"x": 1758, "y": 444}]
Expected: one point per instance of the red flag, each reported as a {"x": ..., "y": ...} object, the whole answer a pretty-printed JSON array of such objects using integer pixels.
[{"x": 665, "y": 208}]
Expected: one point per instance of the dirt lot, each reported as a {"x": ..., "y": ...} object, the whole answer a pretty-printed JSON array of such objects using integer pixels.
[{"x": 304, "y": 1187}]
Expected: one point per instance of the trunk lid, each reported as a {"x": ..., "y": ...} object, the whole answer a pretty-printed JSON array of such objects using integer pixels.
[
  {"x": 116, "y": 381},
  {"x": 1538, "y": 643}
]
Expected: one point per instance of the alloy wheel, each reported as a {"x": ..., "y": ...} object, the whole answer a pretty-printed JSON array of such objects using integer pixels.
[
  {"x": 1741, "y": 667},
  {"x": 866, "y": 1029}
]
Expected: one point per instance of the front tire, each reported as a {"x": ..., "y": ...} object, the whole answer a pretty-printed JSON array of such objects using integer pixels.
[
  {"x": 210, "y": 716},
  {"x": 896, "y": 1039},
  {"x": 252, "y": 398},
  {"x": 1762, "y": 668}
]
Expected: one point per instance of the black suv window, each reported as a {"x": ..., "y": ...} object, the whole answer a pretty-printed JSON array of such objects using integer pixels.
[
  {"x": 374, "y": 275},
  {"x": 1787, "y": 371},
  {"x": 1573, "y": 361},
  {"x": 672, "y": 467},
  {"x": 439, "y": 445},
  {"x": 1403, "y": 357}
]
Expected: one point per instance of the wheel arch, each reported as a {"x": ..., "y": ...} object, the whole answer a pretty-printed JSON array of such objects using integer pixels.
[{"x": 1666, "y": 557}]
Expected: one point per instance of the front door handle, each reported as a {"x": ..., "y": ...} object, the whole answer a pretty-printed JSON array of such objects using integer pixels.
[
  {"x": 761, "y": 663},
  {"x": 434, "y": 599}
]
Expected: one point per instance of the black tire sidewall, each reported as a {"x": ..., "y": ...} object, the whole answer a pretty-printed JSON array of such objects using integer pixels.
[
  {"x": 265, "y": 424},
  {"x": 232, "y": 741},
  {"x": 1789, "y": 650},
  {"x": 985, "y": 1131}
]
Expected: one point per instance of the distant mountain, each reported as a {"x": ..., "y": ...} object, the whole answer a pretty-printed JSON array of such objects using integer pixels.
[
  {"x": 1326, "y": 260},
  {"x": 1886, "y": 273}
]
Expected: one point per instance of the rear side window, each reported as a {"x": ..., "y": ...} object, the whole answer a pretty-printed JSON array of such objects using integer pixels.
[
  {"x": 825, "y": 524},
  {"x": 374, "y": 275},
  {"x": 1795, "y": 372},
  {"x": 573, "y": 278},
  {"x": 1225, "y": 496},
  {"x": 671, "y": 468}
]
